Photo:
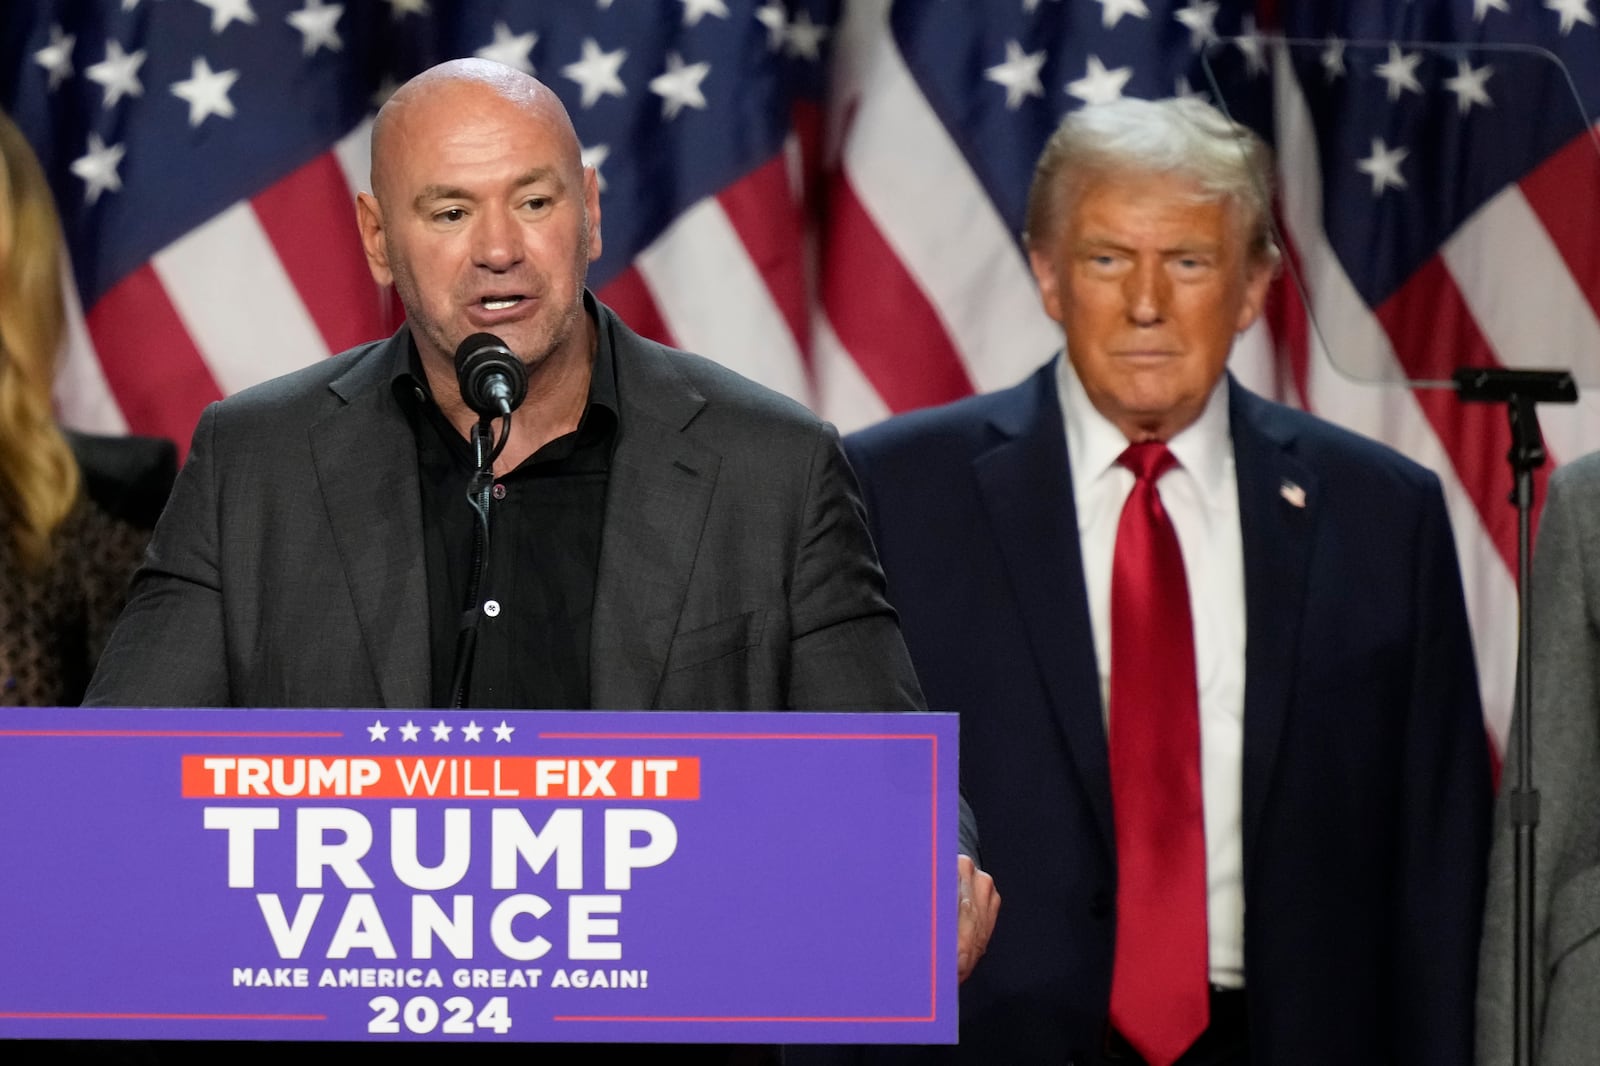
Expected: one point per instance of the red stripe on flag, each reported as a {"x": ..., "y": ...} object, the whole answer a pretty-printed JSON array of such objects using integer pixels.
[
  {"x": 761, "y": 207},
  {"x": 158, "y": 377},
  {"x": 310, "y": 218},
  {"x": 630, "y": 298},
  {"x": 1289, "y": 322},
  {"x": 1433, "y": 331},
  {"x": 1565, "y": 193},
  {"x": 881, "y": 315}
]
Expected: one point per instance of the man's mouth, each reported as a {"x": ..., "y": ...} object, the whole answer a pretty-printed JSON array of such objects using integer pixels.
[{"x": 499, "y": 303}]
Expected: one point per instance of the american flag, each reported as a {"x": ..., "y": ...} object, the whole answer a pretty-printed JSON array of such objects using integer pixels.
[{"x": 827, "y": 195}]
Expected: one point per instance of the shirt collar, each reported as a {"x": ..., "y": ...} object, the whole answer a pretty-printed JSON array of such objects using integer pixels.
[{"x": 1204, "y": 448}]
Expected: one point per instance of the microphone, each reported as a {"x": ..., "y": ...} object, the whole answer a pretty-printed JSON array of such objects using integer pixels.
[{"x": 492, "y": 380}]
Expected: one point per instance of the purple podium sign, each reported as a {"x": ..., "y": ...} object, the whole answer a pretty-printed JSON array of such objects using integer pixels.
[{"x": 525, "y": 876}]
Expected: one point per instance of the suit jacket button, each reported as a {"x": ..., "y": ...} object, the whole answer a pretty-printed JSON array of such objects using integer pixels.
[{"x": 1100, "y": 905}]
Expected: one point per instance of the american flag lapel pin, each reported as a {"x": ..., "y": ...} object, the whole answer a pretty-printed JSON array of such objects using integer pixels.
[{"x": 1293, "y": 493}]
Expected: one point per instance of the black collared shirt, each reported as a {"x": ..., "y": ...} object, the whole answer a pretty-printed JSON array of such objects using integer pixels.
[{"x": 544, "y": 549}]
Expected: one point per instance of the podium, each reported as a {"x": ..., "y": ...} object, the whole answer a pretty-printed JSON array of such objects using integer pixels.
[{"x": 391, "y": 875}]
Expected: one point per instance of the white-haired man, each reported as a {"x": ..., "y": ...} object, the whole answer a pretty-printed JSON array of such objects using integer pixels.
[{"x": 1211, "y": 654}]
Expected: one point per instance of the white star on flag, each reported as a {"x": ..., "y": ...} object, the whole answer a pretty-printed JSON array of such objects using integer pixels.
[
  {"x": 1384, "y": 166},
  {"x": 378, "y": 732},
  {"x": 408, "y": 7},
  {"x": 98, "y": 167},
  {"x": 1249, "y": 42},
  {"x": 1019, "y": 74},
  {"x": 441, "y": 731},
  {"x": 1468, "y": 85},
  {"x": 504, "y": 731},
  {"x": 805, "y": 37},
  {"x": 1400, "y": 71},
  {"x": 1572, "y": 12},
  {"x": 695, "y": 10},
  {"x": 316, "y": 22},
  {"x": 409, "y": 731},
  {"x": 1111, "y": 11},
  {"x": 594, "y": 157},
  {"x": 471, "y": 731},
  {"x": 118, "y": 72},
  {"x": 1201, "y": 19},
  {"x": 56, "y": 57},
  {"x": 206, "y": 91},
  {"x": 509, "y": 48},
  {"x": 224, "y": 12},
  {"x": 1333, "y": 58},
  {"x": 774, "y": 18},
  {"x": 1481, "y": 8},
  {"x": 1099, "y": 85},
  {"x": 596, "y": 72},
  {"x": 679, "y": 86}
]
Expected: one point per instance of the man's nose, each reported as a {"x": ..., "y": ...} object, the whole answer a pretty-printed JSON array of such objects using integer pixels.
[
  {"x": 497, "y": 240},
  {"x": 1147, "y": 290}
]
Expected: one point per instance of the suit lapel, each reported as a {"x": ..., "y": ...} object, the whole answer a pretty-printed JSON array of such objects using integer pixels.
[
  {"x": 1278, "y": 514},
  {"x": 656, "y": 503},
  {"x": 366, "y": 466},
  {"x": 1026, "y": 487}
]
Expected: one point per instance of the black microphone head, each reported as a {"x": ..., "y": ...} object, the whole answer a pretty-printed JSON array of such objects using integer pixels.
[{"x": 492, "y": 379}]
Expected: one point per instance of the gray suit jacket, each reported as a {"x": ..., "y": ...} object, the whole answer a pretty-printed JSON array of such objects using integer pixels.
[
  {"x": 1565, "y": 616},
  {"x": 288, "y": 571}
]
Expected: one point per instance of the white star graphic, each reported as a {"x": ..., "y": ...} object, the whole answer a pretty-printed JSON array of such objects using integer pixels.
[
  {"x": 774, "y": 18},
  {"x": 56, "y": 57},
  {"x": 1201, "y": 18},
  {"x": 1400, "y": 71},
  {"x": 471, "y": 731},
  {"x": 1249, "y": 42},
  {"x": 509, "y": 48},
  {"x": 503, "y": 731},
  {"x": 386, "y": 88},
  {"x": 1099, "y": 85},
  {"x": 1019, "y": 74},
  {"x": 1333, "y": 58},
  {"x": 1030, "y": 6},
  {"x": 597, "y": 72},
  {"x": 409, "y": 731},
  {"x": 695, "y": 10},
  {"x": 594, "y": 157},
  {"x": 1572, "y": 12},
  {"x": 206, "y": 91},
  {"x": 378, "y": 731},
  {"x": 316, "y": 22},
  {"x": 1468, "y": 85},
  {"x": 98, "y": 167},
  {"x": 1384, "y": 166},
  {"x": 441, "y": 731},
  {"x": 1111, "y": 11},
  {"x": 679, "y": 87},
  {"x": 402, "y": 8},
  {"x": 1481, "y": 8},
  {"x": 224, "y": 12},
  {"x": 805, "y": 37},
  {"x": 118, "y": 72}
]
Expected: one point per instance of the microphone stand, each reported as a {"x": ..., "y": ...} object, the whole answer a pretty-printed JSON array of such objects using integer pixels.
[
  {"x": 480, "y": 495},
  {"x": 1520, "y": 391}
]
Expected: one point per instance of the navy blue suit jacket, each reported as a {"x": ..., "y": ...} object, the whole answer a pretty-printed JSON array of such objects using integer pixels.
[{"x": 1366, "y": 779}]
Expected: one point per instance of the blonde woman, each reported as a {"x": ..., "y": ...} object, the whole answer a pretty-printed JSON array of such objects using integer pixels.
[{"x": 75, "y": 511}]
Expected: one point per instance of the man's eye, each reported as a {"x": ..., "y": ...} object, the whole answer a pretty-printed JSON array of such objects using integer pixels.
[
  {"x": 451, "y": 214},
  {"x": 536, "y": 203}
]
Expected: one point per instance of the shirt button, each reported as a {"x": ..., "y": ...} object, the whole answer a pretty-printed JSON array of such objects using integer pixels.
[
  {"x": 499, "y": 491},
  {"x": 491, "y": 608}
]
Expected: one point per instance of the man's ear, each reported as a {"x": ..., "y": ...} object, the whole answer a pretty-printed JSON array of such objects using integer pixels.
[
  {"x": 374, "y": 240},
  {"x": 591, "y": 203}
]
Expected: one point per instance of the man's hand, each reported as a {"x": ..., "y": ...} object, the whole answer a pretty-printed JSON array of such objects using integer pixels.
[{"x": 978, "y": 907}]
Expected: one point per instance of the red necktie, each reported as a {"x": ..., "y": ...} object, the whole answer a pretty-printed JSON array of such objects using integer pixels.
[{"x": 1159, "y": 993}]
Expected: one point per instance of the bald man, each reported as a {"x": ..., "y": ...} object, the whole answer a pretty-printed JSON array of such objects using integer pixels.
[{"x": 667, "y": 534}]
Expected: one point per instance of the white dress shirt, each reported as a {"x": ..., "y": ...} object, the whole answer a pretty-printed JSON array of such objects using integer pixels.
[{"x": 1201, "y": 495}]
